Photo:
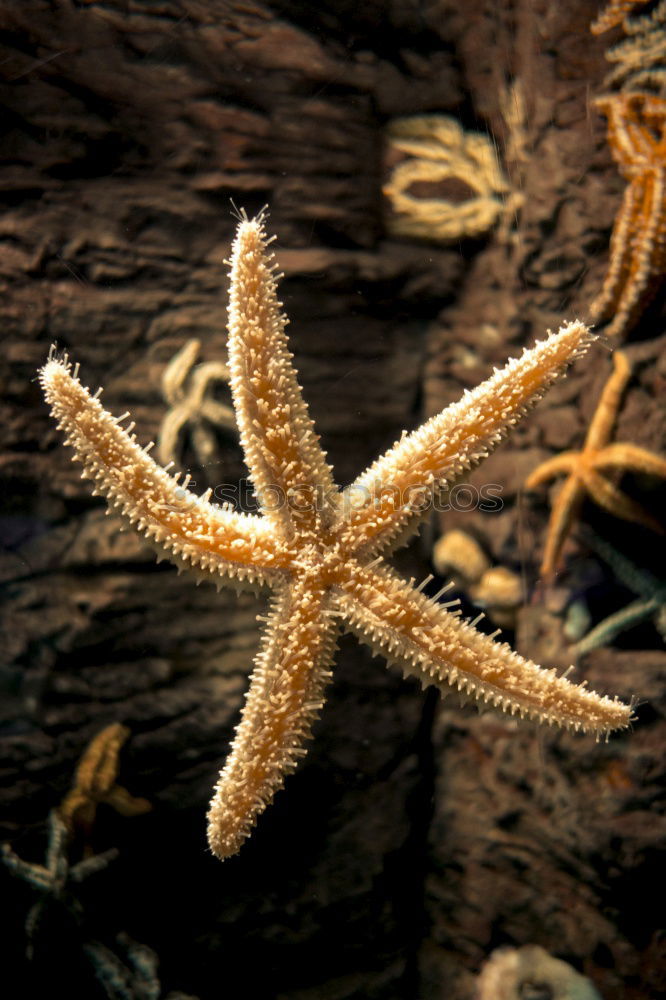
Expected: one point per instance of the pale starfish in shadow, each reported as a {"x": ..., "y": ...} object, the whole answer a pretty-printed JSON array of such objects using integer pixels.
[
  {"x": 56, "y": 879},
  {"x": 322, "y": 551},
  {"x": 193, "y": 411}
]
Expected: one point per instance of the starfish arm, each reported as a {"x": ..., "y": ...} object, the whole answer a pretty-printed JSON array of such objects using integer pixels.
[
  {"x": 171, "y": 429},
  {"x": 180, "y": 525},
  {"x": 378, "y": 508},
  {"x": 97, "y": 770},
  {"x": 564, "y": 512},
  {"x": 604, "y": 305},
  {"x": 204, "y": 443},
  {"x": 439, "y": 648},
  {"x": 556, "y": 466},
  {"x": 630, "y": 458},
  {"x": 606, "y": 495},
  {"x": 36, "y": 875},
  {"x": 218, "y": 414},
  {"x": 58, "y": 839},
  {"x": 176, "y": 372},
  {"x": 78, "y": 811},
  {"x": 278, "y": 437},
  {"x": 89, "y": 866},
  {"x": 604, "y": 633},
  {"x": 124, "y": 803},
  {"x": 284, "y": 699},
  {"x": 648, "y": 253},
  {"x": 601, "y": 425},
  {"x": 635, "y": 578}
]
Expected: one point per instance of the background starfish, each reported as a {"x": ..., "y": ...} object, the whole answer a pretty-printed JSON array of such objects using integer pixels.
[
  {"x": 95, "y": 783},
  {"x": 56, "y": 878},
  {"x": 191, "y": 406},
  {"x": 587, "y": 470},
  {"x": 637, "y": 137},
  {"x": 319, "y": 550}
]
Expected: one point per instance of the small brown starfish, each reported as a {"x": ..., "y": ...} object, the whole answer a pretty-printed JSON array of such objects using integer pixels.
[
  {"x": 637, "y": 137},
  {"x": 95, "y": 783},
  {"x": 587, "y": 469}
]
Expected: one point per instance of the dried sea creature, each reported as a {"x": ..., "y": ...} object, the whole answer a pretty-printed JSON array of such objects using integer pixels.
[
  {"x": 322, "y": 551},
  {"x": 447, "y": 184},
  {"x": 192, "y": 410},
  {"x": 530, "y": 973},
  {"x": 587, "y": 472}
]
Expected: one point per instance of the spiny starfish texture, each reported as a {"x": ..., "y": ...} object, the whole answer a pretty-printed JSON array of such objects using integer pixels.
[
  {"x": 322, "y": 551},
  {"x": 587, "y": 471},
  {"x": 637, "y": 137}
]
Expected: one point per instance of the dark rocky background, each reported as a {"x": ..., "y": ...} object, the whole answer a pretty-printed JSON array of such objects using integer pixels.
[{"x": 417, "y": 835}]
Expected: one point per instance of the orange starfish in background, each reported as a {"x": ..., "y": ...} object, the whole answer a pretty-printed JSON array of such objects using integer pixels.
[
  {"x": 587, "y": 471},
  {"x": 95, "y": 783},
  {"x": 637, "y": 137}
]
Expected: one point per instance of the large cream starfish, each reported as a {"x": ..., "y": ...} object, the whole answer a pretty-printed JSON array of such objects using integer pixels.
[{"x": 322, "y": 551}]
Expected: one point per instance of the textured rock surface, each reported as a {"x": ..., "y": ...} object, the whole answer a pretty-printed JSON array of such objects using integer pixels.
[{"x": 417, "y": 836}]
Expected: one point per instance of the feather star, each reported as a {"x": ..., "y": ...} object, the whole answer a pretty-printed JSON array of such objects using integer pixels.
[{"x": 322, "y": 551}]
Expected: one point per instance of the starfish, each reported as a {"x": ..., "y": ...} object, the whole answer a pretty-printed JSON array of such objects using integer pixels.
[
  {"x": 586, "y": 471},
  {"x": 637, "y": 137},
  {"x": 95, "y": 783},
  {"x": 191, "y": 405},
  {"x": 322, "y": 551},
  {"x": 55, "y": 878}
]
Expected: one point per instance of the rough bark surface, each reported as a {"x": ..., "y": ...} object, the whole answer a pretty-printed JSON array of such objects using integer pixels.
[{"x": 417, "y": 835}]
